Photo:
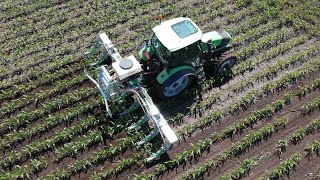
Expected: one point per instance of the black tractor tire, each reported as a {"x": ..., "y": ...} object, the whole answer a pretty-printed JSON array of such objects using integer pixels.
[
  {"x": 163, "y": 91},
  {"x": 226, "y": 65}
]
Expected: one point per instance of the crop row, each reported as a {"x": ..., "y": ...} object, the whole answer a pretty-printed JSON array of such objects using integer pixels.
[
  {"x": 206, "y": 121},
  {"x": 248, "y": 98},
  {"x": 248, "y": 15},
  {"x": 46, "y": 79},
  {"x": 17, "y": 75},
  {"x": 205, "y": 103},
  {"x": 310, "y": 107},
  {"x": 92, "y": 139},
  {"x": 60, "y": 22},
  {"x": 86, "y": 30},
  {"x": 120, "y": 167},
  {"x": 38, "y": 147},
  {"x": 250, "y": 22},
  {"x": 86, "y": 24},
  {"x": 29, "y": 115},
  {"x": 24, "y": 9},
  {"x": 244, "y": 168},
  {"x": 241, "y": 39},
  {"x": 297, "y": 136},
  {"x": 252, "y": 139},
  {"x": 270, "y": 40},
  {"x": 305, "y": 17},
  {"x": 308, "y": 88},
  {"x": 103, "y": 18},
  {"x": 40, "y": 60},
  {"x": 26, "y": 171},
  {"x": 48, "y": 123},
  {"x": 285, "y": 168},
  {"x": 313, "y": 148},
  {"x": 271, "y": 71},
  {"x": 40, "y": 165},
  {"x": 244, "y": 66},
  {"x": 99, "y": 157},
  {"x": 280, "y": 147},
  {"x": 43, "y": 19},
  {"x": 73, "y": 148},
  {"x": 59, "y": 88},
  {"x": 269, "y": 54}
]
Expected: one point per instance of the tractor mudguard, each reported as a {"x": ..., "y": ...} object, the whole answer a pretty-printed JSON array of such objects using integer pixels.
[
  {"x": 145, "y": 50},
  {"x": 174, "y": 74},
  {"x": 219, "y": 39}
]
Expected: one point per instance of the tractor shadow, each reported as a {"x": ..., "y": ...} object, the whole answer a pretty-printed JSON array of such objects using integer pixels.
[{"x": 171, "y": 106}]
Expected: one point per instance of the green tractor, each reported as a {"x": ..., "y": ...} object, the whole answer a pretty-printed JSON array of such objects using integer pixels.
[
  {"x": 174, "y": 56},
  {"x": 176, "y": 53}
]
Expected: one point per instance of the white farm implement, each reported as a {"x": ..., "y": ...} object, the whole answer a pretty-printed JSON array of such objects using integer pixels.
[{"x": 121, "y": 77}]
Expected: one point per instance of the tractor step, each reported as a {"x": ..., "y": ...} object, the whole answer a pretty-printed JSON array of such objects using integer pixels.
[{"x": 201, "y": 76}]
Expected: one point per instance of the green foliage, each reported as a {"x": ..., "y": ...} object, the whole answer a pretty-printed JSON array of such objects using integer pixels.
[{"x": 285, "y": 167}]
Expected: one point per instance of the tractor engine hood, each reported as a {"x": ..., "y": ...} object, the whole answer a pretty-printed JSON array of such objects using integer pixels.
[{"x": 219, "y": 38}]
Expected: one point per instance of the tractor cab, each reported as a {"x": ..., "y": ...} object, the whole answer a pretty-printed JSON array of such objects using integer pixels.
[{"x": 176, "y": 42}]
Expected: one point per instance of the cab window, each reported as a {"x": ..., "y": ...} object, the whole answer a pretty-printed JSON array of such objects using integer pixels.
[{"x": 191, "y": 52}]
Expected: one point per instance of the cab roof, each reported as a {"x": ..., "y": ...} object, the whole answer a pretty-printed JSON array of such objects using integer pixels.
[{"x": 177, "y": 33}]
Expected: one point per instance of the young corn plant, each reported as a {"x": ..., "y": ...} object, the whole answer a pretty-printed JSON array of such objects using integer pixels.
[
  {"x": 244, "y": 168},
  {"x": 313, "y": 148},
  {"x": 285, "y": 168},
  {"x": 310, "y": 107}
]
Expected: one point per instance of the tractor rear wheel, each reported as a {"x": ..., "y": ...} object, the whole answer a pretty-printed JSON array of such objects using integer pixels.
[{"x": 174, "y": 88}]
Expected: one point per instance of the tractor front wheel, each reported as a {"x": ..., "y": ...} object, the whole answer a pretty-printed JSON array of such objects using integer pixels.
[
  {"x": 226, "y": 65},
  {"x": 174, "y": 88}
]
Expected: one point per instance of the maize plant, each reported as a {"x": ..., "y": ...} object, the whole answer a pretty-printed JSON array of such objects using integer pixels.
[
  {"x": 284, "y": 168},
  {"x": 312, "y": 148}
]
